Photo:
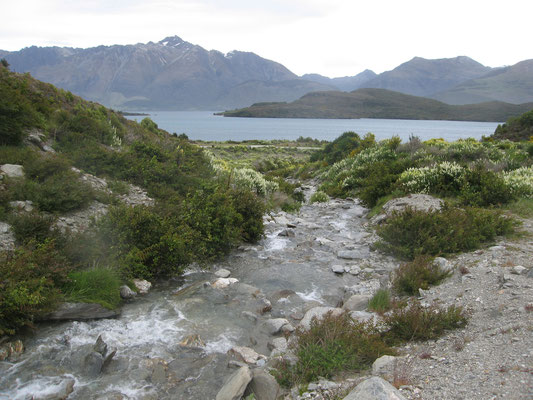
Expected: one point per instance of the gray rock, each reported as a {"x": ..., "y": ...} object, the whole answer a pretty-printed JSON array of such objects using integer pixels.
[
  {"x": 263, "y": 386},
  {"x": 108, "y": 359},
  {"x": 519, "y": 269},
  {"x": 375, "y": 388},
  {"x": 363, "y": 316},
  {"x": 357, "y": 302},
  {"x": 126, "y": 293},
  {"x": 421, "y": 202},
  {"x": 100, "y": 346},
  {"x": 286, "y": 233},
  {"x": 249, "y": 315},
  {"x": 288, "y": 328},
  {"x": 79, "y": 312},
  {"x": 443, "y": 263},
  {"x": 245, "y": 354},
  {"x": 354, "y": 270},
  {"x": 319, "y": 313},
  {"x": 274, "y": 325},
  {"x": 338, "y": 269},
  {"x": 278, "y": 346},
  {"x": 384, "y": 366},
  {"x": 26, "y": 206},
  {"x": 223, "y": 273},
  {"x": 12, "y": 170},
  {"x": 92, "y": 364},
  {"x": 264, "y": 305},
  {"x": 159, "y": 374},
  {"x": 352, "y": 254},
  {"x": 235, "y": 385}
]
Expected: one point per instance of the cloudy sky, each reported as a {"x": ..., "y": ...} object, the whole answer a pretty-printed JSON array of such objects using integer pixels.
[{"x": 330, "y": 37}]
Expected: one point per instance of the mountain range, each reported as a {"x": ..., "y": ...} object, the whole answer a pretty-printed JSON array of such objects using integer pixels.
[{"x": 173, "y": 74}]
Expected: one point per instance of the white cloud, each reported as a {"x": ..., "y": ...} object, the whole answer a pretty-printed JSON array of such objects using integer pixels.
[{"x": 333, "y": 37}]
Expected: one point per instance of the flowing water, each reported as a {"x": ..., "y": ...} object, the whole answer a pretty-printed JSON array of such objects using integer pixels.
[{"x": 293, "y": 272}]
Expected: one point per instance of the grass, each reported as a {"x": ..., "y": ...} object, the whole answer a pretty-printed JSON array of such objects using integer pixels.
[
  {"x": 380, "y": 301},
  {"x": 522, "y": 207},
  {"x": 97, "y": 285}
]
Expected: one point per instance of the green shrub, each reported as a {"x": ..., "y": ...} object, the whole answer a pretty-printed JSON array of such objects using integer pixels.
[
  {"x": 318, "y": 197},
  {"x": 331, "y": 345},
  {"x": 349, "y": 143},
  {"x": 484, "y": 188},
  {"x": 415, "y": 322},
  {"x": 251, "y": 209},
  {"x": 97, "y": 285},
  {"x": 29, "y": 284},
  {"x": 380, "y": 301},
  {"x": 450, "y": 230},
  {"x": 31, "y": 226},
  {"x": 421, "y": 273}
]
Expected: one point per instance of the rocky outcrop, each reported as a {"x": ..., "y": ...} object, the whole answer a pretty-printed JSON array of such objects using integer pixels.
[
  {"x": 420, "y": 202},
  {"x": 235, "y": 385},
  {"x": 375, "y": 389}
]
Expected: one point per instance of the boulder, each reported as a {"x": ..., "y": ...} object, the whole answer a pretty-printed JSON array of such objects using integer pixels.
[
  {"x": 286, "y": 233},
  {"x": 338, "y": 269},
  {"x": 235, "y": 385},
  {"x": 375, "y": 388},
  {"x": 79, "y": 312},
  {"x": 92, "y": 364},
  {"x": 12, "y": 170},
  {"x": 263, "y": 386},
  {"x": 319, "y": 313},
  {"x": 142, "y": 285},
  {"x": 443, "y": 263},
  {"x": 126, "y": 293},
  {"x": 421, "y": 202},
  {"x": 274, "y": 325},
  {"x": 222, "y": 283},
  {"x": 357, "y": 302},
  {"x": 518, "y": 270},
  {"x": 384, "y": 366}
]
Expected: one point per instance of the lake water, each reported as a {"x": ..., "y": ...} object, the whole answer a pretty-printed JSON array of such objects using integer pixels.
[{"x": 203, "y": 125}]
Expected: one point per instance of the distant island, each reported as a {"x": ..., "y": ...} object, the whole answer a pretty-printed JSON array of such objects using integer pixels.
[{"x": 379, "y": 103}]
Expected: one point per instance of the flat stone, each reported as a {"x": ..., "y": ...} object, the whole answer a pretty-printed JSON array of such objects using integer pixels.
[
  {"x": 12, "y": 170},
  {"x": 286, "y": 233},
  {"x": 338, "y": 269},
  {"x": 319, "y": 313},
  {"x": 353, "y": 254},
  {"x": 245, "y": 354},
  {"x": 354, "y": 270},
  {"x": 357, "y": 302},
  {"x": 384, "y": 365},
  {"x": 519, "y": 269},
  {"x": 235, "y": 385},
  {"x": 223, "y": 273},
  {"x": 375, "y": 388},
  {"x": 79, "y": 312}
]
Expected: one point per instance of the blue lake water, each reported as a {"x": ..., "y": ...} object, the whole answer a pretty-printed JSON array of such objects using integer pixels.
[{"x": 203, "y": 125}]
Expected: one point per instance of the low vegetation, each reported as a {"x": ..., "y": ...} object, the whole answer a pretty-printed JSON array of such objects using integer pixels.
[{"x": 421, "y": 273}]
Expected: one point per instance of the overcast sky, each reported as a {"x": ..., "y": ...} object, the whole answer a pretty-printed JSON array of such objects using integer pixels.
[{"x": 330, "y": 37}]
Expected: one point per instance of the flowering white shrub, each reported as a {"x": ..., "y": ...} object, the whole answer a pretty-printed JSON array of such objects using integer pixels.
[
  {"x": 424, "y": 179},
  {"x": 253, "y": 180},
  {"x": 520, "y": 181}
]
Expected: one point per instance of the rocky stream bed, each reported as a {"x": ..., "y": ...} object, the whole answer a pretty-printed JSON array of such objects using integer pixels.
[{"x": 206, "y": 333}]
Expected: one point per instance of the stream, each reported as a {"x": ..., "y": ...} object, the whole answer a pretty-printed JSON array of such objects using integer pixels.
[{"x": 172, "y": 343}]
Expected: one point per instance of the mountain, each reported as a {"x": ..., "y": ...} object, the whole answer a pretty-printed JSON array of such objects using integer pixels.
[
  {"x": 422, "y": 77},
  {"x": 379, "y": 103},
  {"x": 513, "y": 84},
  {"x": 172, "y": 74},
  {"x": 346, "y": 83}
]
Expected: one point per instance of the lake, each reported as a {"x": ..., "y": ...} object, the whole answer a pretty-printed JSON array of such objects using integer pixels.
[{"x": 203, "y": 125}]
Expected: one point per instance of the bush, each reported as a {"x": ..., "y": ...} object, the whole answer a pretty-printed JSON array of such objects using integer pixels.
[
  {"x": 31, "y": 226},
  {"x": 97, "y": 285},
  {"x": 421, "y": 273},
  {"x": 415, "y": 322},
  {"x": 349, "y": 143},
  {"x": 450, "y": 230},
  {"x": 251, "y": 209},
  {"x": 483, "y": 188},
  {"x": 331, "y": 345},
  {"x": 318, "y": 197},
  {"x": 29, "y": 284}
]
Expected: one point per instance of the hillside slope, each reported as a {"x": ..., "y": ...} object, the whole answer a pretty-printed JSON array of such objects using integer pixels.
[
  {"x": 513, "y": 84},
  {"x": 379, "y": 103}
]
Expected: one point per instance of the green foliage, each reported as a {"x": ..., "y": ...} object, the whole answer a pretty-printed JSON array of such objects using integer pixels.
[
  {"x": 251, "y": 209},
  {"x": 331, "y": 345},
  {"x": 380, "y": 301},
  {"x": 521, "y": 207},
  {"x": 150, "y": 125},
  {"x": 96, "y": 285},
  {"x": 31, "y": 226},
  {"x": 516, "y": 129},
  {"x": 349, "y": 143},
  {"x": 421, "y": 273},
  {"x": 415, "y": 322},
  {"x": 450, "y": 230},
  {"x": 318, "y": 197},
  {"x": 29, "y": 281},
  {"x": 484, "y": 188}
]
